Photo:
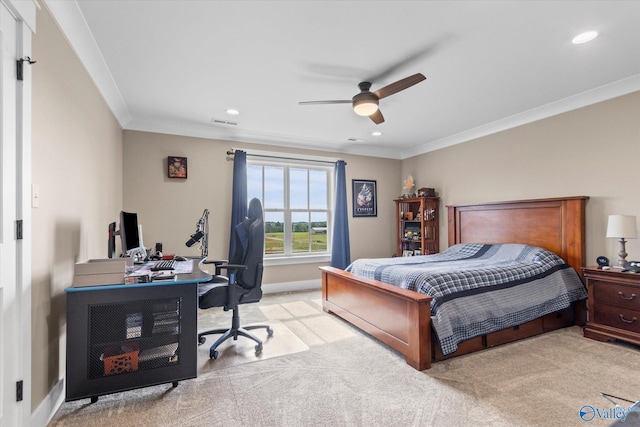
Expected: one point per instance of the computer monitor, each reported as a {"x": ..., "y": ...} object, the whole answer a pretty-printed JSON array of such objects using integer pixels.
[
  {"x": 111, "y": 243},
  {"x": 130, "y": 235},
  {"x": 129, "y": 231}
]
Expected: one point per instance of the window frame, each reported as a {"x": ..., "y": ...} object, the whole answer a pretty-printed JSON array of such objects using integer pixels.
[{"x": 288, "y": 163}]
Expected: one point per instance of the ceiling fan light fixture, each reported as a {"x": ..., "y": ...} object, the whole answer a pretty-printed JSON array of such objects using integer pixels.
[{"x": 365, "y": 107}]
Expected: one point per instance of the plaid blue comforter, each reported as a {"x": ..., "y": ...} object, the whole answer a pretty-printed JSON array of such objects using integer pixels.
[{"x": 478, "y": 289}]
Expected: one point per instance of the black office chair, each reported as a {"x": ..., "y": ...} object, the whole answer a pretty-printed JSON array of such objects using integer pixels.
[{"x": 243, "y": 282}]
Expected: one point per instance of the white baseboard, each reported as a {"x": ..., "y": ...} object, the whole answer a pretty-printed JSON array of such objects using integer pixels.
[
  {"x": 47, "y": 409},
  {"x": 301, "y": 285}
]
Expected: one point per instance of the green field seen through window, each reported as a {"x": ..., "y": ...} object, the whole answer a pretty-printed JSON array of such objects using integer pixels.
[{"x": 305, "y": 240}]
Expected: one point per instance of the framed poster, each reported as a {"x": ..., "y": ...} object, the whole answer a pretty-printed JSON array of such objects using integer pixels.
[
  {"x": 365, "y": 199},
  {"x": 177, "y": 167}
]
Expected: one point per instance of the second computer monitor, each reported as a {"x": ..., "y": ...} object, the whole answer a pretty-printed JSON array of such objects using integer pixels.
[
  {"x": 111, "y": 243},
  {"x": 129, "y": 231}
]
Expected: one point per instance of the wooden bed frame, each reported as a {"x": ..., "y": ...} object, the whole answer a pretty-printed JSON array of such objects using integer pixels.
[{"x": 401, "y": 318}]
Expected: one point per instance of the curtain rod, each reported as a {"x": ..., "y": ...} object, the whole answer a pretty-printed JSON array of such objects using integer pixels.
[{"x": 233, "y": 151}]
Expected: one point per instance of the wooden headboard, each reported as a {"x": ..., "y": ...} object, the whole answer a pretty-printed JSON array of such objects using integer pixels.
[{"x": 556, "y": 224}]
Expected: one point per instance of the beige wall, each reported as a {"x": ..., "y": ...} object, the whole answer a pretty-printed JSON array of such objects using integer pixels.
[
  {"x": 168, "y": 209},
  {"x": 592, "y": 151},
  {"x": 77, "y": 162}
]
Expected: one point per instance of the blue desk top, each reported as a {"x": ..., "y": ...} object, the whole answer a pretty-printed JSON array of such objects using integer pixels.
[{"x": 196, "y": 276}]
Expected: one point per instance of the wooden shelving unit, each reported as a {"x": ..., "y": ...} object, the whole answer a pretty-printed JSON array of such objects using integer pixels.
[{"x": 417, "y": 225}]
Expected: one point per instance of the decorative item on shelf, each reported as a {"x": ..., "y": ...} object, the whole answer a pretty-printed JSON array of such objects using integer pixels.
[
  {"x": 429, "y": 214},
  {"x": 412, "y": 234},
  {"x": 411, "y": 231},
  {"x": 407, "y": 216},
  {"x": 426, "y": 192},
  {"x": 621, "y": 227},
  {"x": 407, "y": 185},
  {"x": 407, "y": 253},
  {"x": 417, "y": 252}
]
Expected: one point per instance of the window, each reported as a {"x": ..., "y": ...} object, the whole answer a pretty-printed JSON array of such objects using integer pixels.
[{"x": 296, "y": 198}]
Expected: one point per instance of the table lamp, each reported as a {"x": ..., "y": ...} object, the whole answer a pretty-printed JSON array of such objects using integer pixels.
[{"x": 621, "y": 227}]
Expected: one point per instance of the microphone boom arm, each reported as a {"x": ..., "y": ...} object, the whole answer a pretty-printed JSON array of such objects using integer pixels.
[{"x": 201, "y": 235}]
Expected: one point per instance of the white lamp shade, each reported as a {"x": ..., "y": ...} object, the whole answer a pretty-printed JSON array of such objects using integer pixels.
[{"x": 622, "y": 226}]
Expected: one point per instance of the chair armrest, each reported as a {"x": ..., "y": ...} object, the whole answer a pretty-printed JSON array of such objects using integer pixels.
[
  {"x": 215, "y": 261},
  {"x": 231, "y": 267}
]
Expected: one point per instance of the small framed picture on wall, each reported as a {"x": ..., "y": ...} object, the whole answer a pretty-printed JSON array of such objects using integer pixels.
[
  {"x": 365, "y": 199},
  {"x": 177, "y": 167}
]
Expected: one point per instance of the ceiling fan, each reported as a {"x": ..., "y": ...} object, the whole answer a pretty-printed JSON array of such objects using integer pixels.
[{"x": 365, "y": 103}]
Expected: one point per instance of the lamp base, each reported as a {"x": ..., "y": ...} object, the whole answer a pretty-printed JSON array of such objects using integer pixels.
[{"x": 622, "y": 255}]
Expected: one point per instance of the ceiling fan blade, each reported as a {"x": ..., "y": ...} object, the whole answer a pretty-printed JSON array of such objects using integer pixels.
[
  {"x": 377, "y": 117},
  {"x": 414, "y": 57},
  {"x": 399, "y": 85},
  {"x": 334, "y": 101}
]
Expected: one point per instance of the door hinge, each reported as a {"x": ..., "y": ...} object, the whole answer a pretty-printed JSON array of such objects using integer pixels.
[
  {"x": 20, "y": 66},
  {"x": 19, "y": 387},
  {"x": 19, "y": 229}
]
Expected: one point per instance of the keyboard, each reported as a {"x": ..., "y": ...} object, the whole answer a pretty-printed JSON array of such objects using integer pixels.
[{"x": 165, "y": 264}]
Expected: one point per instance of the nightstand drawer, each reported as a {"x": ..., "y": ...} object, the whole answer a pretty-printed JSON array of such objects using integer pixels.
[
  {"x": 614, "y": 294},
  {"x": 617, "y": 317}
]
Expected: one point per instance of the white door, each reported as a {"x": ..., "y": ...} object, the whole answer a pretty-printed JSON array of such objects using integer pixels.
[{"x": 15, "y": 183}]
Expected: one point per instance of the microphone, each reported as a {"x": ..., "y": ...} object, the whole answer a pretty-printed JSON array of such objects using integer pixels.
[{"x": 195, "y": 237}]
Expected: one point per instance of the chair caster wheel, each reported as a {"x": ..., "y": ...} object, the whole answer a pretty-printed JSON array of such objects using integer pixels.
[
  {"x": 201, "y": 340},
  {"x": 269, "y": 332},
  {"x": 259, "y": 349},
  {"x": 213, "y": 354}
]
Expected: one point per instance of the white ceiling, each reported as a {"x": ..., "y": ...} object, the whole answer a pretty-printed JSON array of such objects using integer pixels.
[{"x": 173, "y": 66}]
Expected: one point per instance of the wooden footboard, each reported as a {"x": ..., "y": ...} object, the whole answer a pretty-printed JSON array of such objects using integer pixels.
[{"x": 398, "y": 317}]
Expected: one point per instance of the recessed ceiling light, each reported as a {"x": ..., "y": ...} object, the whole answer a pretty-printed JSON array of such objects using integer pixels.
[
  {"x": 585, "y": 37},
  {"x": 376, "y": 133},
  {"x": 233, "y": 111}
]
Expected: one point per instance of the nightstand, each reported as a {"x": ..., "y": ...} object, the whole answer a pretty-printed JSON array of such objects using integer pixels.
[{"x": 613, "y": 305}]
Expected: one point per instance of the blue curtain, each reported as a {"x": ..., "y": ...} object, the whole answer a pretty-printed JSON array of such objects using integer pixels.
[
  {"x": 238, "y": 196},
  {"x": 340, "y": 250}
]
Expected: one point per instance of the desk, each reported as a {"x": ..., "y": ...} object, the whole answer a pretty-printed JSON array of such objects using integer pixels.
[{"x": 121, "y": 337}]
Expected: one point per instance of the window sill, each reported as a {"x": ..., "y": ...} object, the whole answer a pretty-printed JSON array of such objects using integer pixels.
[{"x": 299, "y": 259}]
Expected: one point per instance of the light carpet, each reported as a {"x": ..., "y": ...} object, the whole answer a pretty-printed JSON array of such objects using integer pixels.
[{"x": 346, "y": 378}]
